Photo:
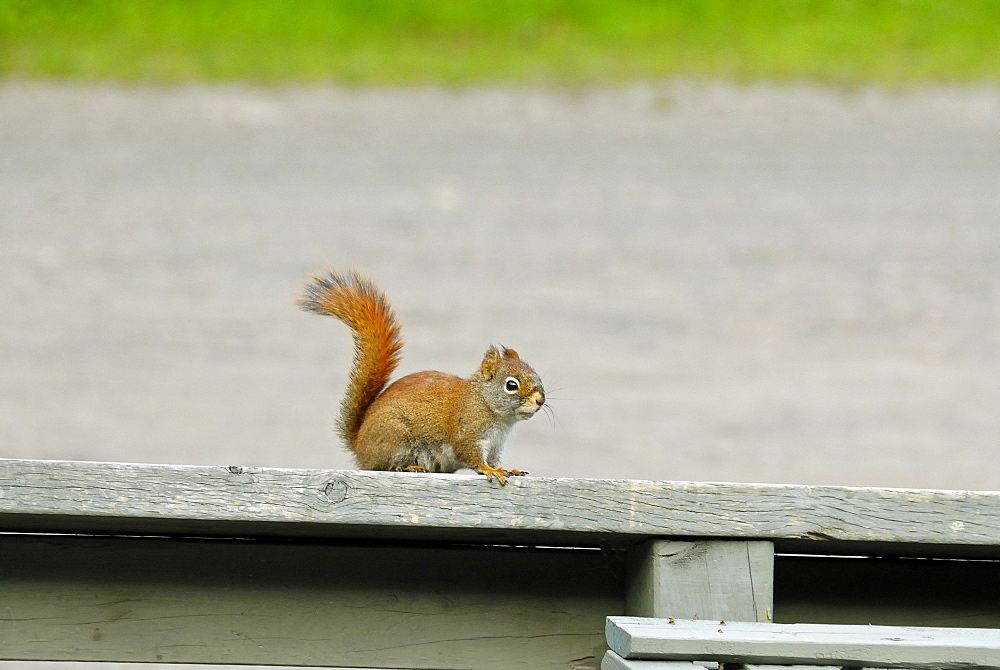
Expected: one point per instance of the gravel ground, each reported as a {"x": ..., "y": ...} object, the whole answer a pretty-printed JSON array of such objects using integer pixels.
[{"x": 780, "y": 284}]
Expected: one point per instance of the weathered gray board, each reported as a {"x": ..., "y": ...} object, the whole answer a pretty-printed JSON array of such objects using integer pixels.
[
  {"x": 60, "y": 496},
  {"x": 121, "y": 599},
  {"x": 613, "y": 661},
  {"x": 702, "y": 580},
  {"x": 812, "y": 644},
  {"x": 270, "y": 602},
  {"x": 175, "y": 599}
]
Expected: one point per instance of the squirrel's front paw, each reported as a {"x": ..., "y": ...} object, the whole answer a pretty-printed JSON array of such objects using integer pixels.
[
  {"x": 410, "y": 468},
  {"x": 500, "y": 473}
]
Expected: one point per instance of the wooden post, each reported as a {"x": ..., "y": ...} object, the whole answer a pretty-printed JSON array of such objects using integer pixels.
[{"x": 712, "y": 579}]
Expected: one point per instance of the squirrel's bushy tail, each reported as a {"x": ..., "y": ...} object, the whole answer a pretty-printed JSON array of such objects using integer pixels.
[{"x": 361, "y": 304}]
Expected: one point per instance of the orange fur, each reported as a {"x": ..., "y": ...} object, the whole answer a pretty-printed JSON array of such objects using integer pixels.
[
  {"x": 426, "y": 421},
  {"x": 363, "y": 307}
]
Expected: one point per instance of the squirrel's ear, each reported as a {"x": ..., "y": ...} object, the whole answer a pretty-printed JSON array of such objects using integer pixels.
[
  {"x": 491, "y": 361},
  {"x": 510, "y": 353}
]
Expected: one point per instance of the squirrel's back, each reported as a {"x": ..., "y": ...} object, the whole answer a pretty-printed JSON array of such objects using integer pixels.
[{"x": 360, "y": 304}]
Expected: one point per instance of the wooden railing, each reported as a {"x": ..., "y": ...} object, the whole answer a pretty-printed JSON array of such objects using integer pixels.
[{"x": 191, "y": 564}]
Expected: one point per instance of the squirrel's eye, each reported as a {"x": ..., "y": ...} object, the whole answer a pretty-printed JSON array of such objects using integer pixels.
[{"x": 511, "y": 385}]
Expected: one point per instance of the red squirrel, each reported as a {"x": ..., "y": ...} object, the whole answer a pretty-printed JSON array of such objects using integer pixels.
[{"x": 427, "y": 421}]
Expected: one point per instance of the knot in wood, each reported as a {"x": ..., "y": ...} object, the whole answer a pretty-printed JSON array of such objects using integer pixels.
[{"x": 335, "y": 490}]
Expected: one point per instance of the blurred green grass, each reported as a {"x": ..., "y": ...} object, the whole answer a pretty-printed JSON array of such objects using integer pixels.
[{"x": 548, "y": 42}]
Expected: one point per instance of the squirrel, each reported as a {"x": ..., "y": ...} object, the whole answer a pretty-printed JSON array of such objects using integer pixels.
[{"x": 426, "y": 421}]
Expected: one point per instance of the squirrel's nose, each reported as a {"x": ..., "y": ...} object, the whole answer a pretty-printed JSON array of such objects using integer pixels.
[{"x": 540, "y": 397}]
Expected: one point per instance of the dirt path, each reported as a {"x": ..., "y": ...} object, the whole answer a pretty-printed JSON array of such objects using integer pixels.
[{"x": 718, "y": 283}]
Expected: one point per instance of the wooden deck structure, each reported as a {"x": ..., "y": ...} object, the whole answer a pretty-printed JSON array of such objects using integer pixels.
[{"x": 193, "y": 564}]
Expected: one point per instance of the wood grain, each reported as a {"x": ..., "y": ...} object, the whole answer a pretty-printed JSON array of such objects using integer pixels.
[
  {"x": 273, "y": 602},
  {"x": 788, "y": 644},
  {"x": 613, "y": 661},
  {"x": 708, "y": 579},
  {"x": 65, "y": 496}
]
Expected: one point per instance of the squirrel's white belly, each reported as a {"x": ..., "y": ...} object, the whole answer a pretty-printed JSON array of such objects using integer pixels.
[
  {"x": 492, "y": 442},
  {"x": 442, "y": 457},
  {"x": 437, "y": 458}
]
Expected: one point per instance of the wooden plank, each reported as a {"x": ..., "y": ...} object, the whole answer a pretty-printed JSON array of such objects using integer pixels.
[
  {"x": 319, "y": 604},
  {"x": 909, "y": 591},
  {"x": 809, "y": 644},
  {"x": 613, "y": 661},
  {"x": 715, "y": 579},
  {"x": 60, "y": 496}
]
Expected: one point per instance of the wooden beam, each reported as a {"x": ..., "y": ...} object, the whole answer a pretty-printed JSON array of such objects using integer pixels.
[
  {"x": 319, "y": 604},
  {"x": 61, "y": 496},
  {"x": 810, "y": 644},
  {"x": 613, "y": 661},
  {"x": 715, "y": 579}
]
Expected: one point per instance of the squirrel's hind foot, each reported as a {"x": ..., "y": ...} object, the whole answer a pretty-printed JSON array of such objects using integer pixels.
[
  {"x": 410, "y": 468},
  {"x": 500, "y": 473}
]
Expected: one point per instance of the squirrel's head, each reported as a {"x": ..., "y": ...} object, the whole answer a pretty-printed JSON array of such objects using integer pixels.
[{"x": 511, "y": 387}]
